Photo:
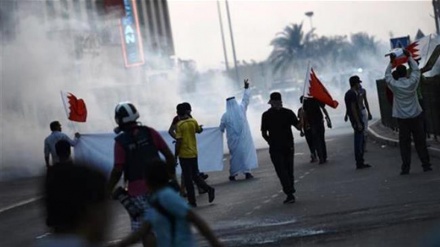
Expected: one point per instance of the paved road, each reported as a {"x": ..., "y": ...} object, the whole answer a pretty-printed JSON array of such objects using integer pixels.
[{"x": 336, "y": 204}]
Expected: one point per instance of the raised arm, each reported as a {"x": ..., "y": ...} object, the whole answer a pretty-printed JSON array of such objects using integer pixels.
[{"x": 246, "y": 95}]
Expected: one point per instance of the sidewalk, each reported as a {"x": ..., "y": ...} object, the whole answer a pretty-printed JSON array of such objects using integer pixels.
[{"x": 387, "y": 136}]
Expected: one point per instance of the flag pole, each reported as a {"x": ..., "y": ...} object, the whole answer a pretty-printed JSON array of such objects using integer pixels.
[
  {"x": 306, "y": 80},
  {"x": 67, "y": 113}
]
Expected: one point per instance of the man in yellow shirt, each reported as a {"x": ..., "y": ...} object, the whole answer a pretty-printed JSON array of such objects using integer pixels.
[{"x": 186, "y": 150}]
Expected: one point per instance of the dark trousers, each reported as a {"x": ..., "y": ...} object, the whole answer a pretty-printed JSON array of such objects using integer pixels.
[
  {"x": 318, "y": 133},
  {"x": 190, "y": 174},
  {"x": 414, "y": 127},
  {"x": 309, "y": 139},
  {"x": 359, "y": 137},
  {"x": 283, "y": 162}
]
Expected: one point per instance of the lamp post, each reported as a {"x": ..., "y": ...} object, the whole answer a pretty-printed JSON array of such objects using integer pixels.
[
  {"x": 232, "y": 41},
  {"x": 223, "y": 36},
  {"x": 310, "y": 14}
]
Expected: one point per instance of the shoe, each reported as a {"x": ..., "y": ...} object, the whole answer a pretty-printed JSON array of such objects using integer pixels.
[
  {"x": 362, "y": 166},
  {"x": 202, "y": 191},
  {"x": 204, "y": 176},
  {"x": 192, "y": 204},
  {"x": 289, "y": 199},
  {"x": 249, "y": 175},
  {"x": 232, "y": 178},
  {"x": 322, "y": 162},
  {"x": 313, "y": 159},
  {"x": 404, "y": 172},
  {"x": 211, "y": 195},
  {"x": 427, "y": 169}
]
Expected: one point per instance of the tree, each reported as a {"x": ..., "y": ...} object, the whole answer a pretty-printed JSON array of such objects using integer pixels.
[{"x": 288, "y": 46}]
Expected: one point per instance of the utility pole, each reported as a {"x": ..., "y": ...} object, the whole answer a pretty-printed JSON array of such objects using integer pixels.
[
  {"x": 232, "y": 41},
  {"x": 223, "y": 36},
  {"x": 436, "y": 5}
]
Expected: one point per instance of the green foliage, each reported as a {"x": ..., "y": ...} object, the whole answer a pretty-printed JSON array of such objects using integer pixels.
[{"x": 292, "y": 48}]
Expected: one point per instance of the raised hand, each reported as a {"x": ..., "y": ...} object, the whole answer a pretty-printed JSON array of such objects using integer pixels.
[{"x": 246, "y": 83}]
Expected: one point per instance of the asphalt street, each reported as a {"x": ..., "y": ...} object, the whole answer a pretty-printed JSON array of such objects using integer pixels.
[{"x": 337, "y": 205}]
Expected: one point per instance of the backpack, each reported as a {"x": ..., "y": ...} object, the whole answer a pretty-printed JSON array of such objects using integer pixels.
[{"x": 140, "y": 150}]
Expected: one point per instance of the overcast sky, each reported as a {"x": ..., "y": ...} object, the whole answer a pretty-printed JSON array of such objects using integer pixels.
[{"x": 196, "y": 28}]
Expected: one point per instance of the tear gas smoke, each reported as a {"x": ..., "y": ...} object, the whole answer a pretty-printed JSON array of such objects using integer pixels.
[{"x": 42, "y": 60}]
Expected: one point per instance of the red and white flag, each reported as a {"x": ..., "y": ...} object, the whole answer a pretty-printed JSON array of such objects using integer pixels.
[
  {"x": 75, "y": 108},
  {"x": 314, "y": 88},
  {"x": 420, "y": 50}
]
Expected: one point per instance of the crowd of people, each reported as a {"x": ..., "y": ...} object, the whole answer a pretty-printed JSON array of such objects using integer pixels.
[{"x": 159, "y": 214}]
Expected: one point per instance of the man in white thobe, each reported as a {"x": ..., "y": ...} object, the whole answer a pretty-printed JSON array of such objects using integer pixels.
[{"x": 243, "y": 156}]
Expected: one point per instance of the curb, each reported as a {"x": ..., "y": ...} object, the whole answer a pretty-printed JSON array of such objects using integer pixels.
[{"x": 394, "y": 142}]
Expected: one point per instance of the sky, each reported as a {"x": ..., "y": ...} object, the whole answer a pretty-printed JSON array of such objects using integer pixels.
[{"x": 196, "y": 28}]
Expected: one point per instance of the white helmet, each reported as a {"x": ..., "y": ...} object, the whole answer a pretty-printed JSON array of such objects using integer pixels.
[{"x": 125, "y": 112}]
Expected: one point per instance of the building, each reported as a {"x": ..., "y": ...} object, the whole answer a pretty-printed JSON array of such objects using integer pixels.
[{"x": 74, "y": 16}]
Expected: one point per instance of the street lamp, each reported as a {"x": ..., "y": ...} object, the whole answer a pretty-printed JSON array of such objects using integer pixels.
[{"x": 310, "y": 14}]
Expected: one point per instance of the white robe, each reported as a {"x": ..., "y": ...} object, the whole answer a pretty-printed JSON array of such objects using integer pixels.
[{"x": 240, "y": 143}]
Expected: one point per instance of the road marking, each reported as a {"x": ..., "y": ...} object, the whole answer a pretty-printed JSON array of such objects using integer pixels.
[
  {"x": 296, "y": 181},
  {"x": 248, "y": 213},
  {"x": 44, "y": 235},
  {"x": 299, "y": 154},
  {"x": 267, "y": 201},
  {"x": 257, "y": 207},
  {"x": 20, "y": 204},
  {"x": 307, "y": 173},
  {"x": 301, "y": 177},
  {"x": 273, "y": 196}
]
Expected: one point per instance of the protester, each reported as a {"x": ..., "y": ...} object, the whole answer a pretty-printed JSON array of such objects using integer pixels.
[
  {"x": 136, "y": 147},
  {"x": 186, "y": 150},
  {"x": 53, "y": 139},
  {"x": 365, "y": 111},
  {"x": 408, "y": 112},
  {"x": 313, "y": 109},
  {"x": 276, "y": 129},
  {"x": 76, "y": 207},
  {"x": 62, "y": 149},
  {"x": 307, "y": 132},
  {"x": 243, "y": 155},
  {"x": 354, "y": 113},
  {"x": 171, "y": 217},
  {"x": 172, "y": 133}
]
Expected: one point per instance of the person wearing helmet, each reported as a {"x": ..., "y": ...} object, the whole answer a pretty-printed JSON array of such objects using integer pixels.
[{"x": 136, "y": 146}]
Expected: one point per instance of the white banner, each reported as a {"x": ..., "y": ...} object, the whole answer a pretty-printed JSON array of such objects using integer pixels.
[{"x": 97, "y": 149}]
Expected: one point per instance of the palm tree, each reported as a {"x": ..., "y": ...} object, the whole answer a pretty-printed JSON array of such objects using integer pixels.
[
  {"x": 364, "y": 42},
  {"x": 289, "y": 46}
]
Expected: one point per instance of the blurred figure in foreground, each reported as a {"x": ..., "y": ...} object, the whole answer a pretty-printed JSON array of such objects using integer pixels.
[
  {"x": 136, "y": 147},
  {"x": 240, "y": 143},
  {"x": 76, "y": 206},
  {"x": 171, "y": 217}
]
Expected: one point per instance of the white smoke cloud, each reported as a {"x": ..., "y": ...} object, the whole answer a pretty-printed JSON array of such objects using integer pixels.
[{"x": 41, "y": 61}]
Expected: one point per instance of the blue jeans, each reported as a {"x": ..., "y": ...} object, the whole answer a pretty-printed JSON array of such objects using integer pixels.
[{"x": 359, "y": 147}]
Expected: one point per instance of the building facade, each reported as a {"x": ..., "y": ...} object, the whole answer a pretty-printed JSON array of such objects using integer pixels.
[{"x": 92, "y": 16}]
